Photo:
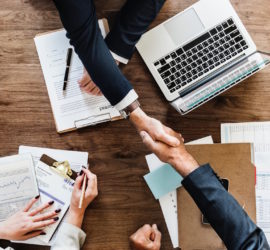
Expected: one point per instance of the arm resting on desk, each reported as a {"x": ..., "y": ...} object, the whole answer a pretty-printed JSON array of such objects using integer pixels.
[{"x": 223, "y": 212}]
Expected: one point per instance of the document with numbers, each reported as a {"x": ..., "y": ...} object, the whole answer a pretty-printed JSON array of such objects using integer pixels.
[
  {"x": 72, "y": 108},
  {"x": 259, "y": 134},
  {"x": 17, "y": 184}
]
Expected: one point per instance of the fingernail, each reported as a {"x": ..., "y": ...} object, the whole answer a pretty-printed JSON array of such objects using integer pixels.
[
  {"x": 37, "y": 196},
  {"x": 154, "y": 226},
  {"x": 81, "y": 172},
  {"x": 142, "y": 134},
  {"x": 51, "y": 202},
  {"x": 58, "y": 210},
  {"x": 56, "y": 218},
  {"x": 42, "y": 233}
]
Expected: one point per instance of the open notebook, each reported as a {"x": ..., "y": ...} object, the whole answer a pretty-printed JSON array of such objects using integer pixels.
[{"x": 73, "y": 108}]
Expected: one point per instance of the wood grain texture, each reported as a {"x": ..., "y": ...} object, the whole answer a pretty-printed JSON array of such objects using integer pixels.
[{"x": 116, "y": 152}]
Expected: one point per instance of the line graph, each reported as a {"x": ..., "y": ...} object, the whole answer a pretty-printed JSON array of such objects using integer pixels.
[{"x": 15, "y": 183}]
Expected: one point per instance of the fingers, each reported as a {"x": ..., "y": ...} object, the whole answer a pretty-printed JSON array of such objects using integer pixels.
[
  {"x": 168, "y": 139},
  {"x": 45, "y": 223},
  {"x": 46, "y": 216},
  {"x": 85, "y": 78},
  {"x": 147, "y": 231},
  {"x": 148, "y": 141},
  {"x": 30, "y": 203},
  {"x": 157, "y": 234},
  {"x": 40, "y": 208},
  {"x": 78, "y": 182},
  {"x": 91, "y": 189},
  {"x": 32, "y": 235}
]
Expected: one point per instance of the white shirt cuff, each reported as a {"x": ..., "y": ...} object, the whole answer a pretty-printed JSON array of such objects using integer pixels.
[
  {"x": 129, "y": 98},
  {"x": 69, "y": 237},
  {"x": 119, "y": 58}
]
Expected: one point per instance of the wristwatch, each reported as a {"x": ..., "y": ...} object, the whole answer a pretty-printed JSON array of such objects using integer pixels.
[{"x": 125, "y": 113}]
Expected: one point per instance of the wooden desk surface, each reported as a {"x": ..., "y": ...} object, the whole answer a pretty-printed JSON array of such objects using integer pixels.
[{"x": 116, "y": 152}]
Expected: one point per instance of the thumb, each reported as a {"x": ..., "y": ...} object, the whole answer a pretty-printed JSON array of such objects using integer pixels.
[
  {"x": 157, "y": 235},
  {"x": 147, "y": 140}
]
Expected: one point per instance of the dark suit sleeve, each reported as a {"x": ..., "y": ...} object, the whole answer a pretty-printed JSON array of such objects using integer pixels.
[
  {"x": 223, "y": 212},
  {"x": 132, "y": 22},
  {"x": 80, "y": 21}
]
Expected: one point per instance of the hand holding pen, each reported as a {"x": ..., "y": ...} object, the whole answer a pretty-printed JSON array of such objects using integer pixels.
[{"x": 89, "y": 193}]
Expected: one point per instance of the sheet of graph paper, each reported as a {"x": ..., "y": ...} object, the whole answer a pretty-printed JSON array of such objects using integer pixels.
[
  {"x": 259, "y": 134},
  {"x": 168, "y": 202}
]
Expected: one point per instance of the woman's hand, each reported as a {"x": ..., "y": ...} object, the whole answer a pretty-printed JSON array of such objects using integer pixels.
[
  {"x": 76, "y": 214},
  {"x": 28, "y": 223}
]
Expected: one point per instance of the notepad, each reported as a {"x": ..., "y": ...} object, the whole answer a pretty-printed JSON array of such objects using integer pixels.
[
  {"x": 163, "y": 180},
  {"x": 73, "y": 108}
]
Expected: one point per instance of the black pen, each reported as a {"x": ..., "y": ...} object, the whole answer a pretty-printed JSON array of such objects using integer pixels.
[{"x": 69, "y": 54}]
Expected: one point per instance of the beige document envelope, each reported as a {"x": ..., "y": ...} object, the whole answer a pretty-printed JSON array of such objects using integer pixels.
[{"x": 229, "y": 161}]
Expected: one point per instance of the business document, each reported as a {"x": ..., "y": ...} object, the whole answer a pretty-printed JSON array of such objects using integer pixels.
[
  {"x": 17, "y": 184},
  {"x": 259, "y": 134},
  {"x": 72, "y": 108}
]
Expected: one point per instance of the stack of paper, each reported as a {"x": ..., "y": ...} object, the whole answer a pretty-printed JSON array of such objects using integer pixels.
[
  {"x": 168, "y": 202},
  {"x": 259, "y": 134}
]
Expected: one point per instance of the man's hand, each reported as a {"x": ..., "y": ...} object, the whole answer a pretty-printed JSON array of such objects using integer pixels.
[
  {"x": 88, "y": 85},
  {"x": 28, "y": 223},
  {"x": 76, "y": 214},
  {"x": 146, "y": 238},
  {"x": 155, "y": 128},
  {"x": 178, "y": 156}
]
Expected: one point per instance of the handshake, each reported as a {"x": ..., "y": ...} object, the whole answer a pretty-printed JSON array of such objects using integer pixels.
[{"x": 169, "y": 147}]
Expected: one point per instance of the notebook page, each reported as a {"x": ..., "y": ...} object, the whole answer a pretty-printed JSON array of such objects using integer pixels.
[{"x": 259, "y": 134}]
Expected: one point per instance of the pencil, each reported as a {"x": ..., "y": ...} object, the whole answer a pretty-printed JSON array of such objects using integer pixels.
[{"x": 83, "y": 191}]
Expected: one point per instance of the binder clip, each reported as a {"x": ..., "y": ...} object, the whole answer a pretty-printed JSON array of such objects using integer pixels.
[{"x": 63, "y": 169}]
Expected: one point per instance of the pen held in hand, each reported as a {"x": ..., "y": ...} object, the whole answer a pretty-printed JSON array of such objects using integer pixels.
[
  {"x": 69, "y": 55},
  {"x": 83, "y": 191}
]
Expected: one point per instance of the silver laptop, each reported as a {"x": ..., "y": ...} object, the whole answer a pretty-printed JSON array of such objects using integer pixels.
[{"x": 199, "y": 53}]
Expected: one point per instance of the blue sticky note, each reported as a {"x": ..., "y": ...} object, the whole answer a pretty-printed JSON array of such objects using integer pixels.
[{"x": 163, "y": 180}]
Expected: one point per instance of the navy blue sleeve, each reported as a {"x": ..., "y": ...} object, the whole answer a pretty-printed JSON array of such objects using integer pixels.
[
  {"x": 80, "y": 21},
  {"x": 223, "y": 212},
  {"x": 132, "y": 22}
]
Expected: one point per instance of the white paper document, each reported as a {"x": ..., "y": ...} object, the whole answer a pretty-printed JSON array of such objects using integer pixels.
[
  {"x": 75, "y": 158},
  {"x": 72, "y": 108},
  {"x": 259, "y": 134},
  {"x": 17, "y": 184},
  {"x": 53, "y": 187},
  {"x": 168, "y": 202}
]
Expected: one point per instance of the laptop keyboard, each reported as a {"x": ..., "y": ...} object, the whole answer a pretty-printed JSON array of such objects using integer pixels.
[{"x": 202, "y": 55}]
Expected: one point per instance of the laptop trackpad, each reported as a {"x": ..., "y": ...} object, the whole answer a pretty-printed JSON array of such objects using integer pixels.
[{"x": 184, "y": 26}]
